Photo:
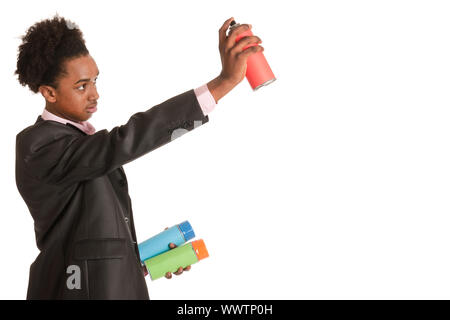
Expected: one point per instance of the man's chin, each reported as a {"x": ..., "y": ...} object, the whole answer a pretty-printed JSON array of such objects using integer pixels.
[{"x": 84, "y": 118}]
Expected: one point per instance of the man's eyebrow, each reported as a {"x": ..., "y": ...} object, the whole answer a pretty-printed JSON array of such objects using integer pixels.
[{"x": 85, "y": 80}]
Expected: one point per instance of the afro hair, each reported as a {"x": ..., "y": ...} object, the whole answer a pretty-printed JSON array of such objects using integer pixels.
[{"x": 45, "y": 47}]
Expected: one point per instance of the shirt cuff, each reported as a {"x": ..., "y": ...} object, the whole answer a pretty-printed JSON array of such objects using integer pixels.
[{"x": 205, "y": 99}]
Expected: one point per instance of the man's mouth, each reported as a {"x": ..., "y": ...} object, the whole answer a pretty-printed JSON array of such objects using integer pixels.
[{"x": 92, "y": 108}]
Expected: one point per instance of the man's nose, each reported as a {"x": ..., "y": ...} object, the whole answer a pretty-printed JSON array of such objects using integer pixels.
[{"x": 94, "y": 93}]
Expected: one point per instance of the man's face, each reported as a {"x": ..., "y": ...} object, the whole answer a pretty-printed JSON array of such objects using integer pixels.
[{"x": 76, "y": 93}]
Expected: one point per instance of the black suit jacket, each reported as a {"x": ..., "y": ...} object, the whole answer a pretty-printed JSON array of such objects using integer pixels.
[{"x": 76, "y": 190}]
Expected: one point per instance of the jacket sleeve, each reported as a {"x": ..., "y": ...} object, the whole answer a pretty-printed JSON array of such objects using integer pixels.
[{"x": 73, "y": 158}]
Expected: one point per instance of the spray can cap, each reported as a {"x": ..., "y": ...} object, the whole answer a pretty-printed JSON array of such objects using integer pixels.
[
  {"x": 200, "y": 249},
  {"x": 187, "y": 231},
  {"x": 233, "y": 25}
]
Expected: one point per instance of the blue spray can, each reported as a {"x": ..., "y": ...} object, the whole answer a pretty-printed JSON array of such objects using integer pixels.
[{"x": 178, "y": 234}]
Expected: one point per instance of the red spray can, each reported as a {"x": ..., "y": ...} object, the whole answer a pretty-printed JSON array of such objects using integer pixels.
[{"x": 258, "y": 70}]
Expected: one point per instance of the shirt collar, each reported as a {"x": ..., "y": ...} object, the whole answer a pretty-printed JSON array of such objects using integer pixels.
[{"x": 84, "y": 126}]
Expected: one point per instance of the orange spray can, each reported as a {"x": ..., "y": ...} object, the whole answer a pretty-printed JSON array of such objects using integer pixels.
[{"x": 258, "y": 71}]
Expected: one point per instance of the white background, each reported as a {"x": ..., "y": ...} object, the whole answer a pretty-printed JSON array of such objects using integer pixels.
[{"x": 331, "y": 183}]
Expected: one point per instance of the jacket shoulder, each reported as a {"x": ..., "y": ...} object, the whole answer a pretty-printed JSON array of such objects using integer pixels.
[{"x": 41, "y": 133}]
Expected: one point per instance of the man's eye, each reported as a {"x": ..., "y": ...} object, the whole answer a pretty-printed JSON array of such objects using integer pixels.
[{"x": 83, "y": 87}]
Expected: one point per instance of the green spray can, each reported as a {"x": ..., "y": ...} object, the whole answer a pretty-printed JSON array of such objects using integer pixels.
[{"x": 171, "y": 260}]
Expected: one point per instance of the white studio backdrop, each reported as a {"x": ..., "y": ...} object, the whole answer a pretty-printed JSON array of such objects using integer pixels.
[{"x": 331, "y": 183}]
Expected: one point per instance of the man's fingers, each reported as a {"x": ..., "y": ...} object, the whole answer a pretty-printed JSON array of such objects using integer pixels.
[
  {"x": 230, "y": 41},
  {"x": 223, "y": 29},
  {"x": 179, "y": 271},
  {"x": 172, "y": 245},
  {"x": 249, "y": 51},
  {"x": 244, "y": 42}
]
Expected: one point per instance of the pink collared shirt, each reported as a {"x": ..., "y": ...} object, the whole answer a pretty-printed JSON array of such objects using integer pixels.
[
  {"x": 204, "y": 97},
  {"x": 83, "y": 125}
]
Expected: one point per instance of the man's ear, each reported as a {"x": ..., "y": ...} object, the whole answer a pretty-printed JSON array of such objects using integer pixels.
[{"x": 48, "y": 92}]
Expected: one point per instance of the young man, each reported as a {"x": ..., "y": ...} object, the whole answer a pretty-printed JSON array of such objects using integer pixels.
[{"x": 71, "y": 176}]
